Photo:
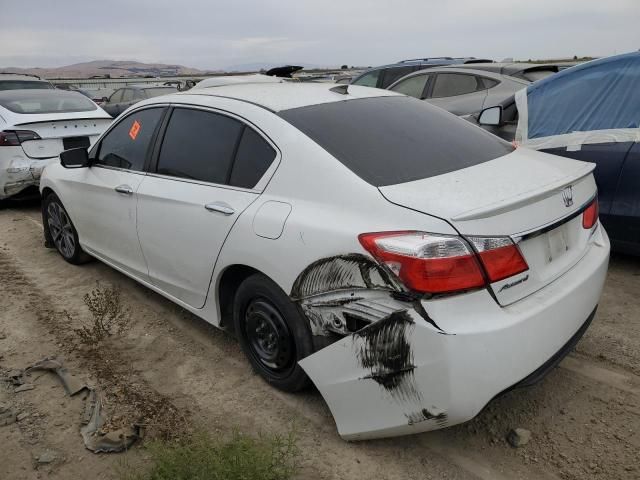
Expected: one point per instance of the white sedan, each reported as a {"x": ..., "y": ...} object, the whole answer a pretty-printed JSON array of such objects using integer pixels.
[
  {"x": 35, "y": 126},
  {"x": 409, "y": 264}
]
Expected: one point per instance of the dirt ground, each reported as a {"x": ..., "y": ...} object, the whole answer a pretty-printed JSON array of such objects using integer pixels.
[{"x": 584, "y": 417}]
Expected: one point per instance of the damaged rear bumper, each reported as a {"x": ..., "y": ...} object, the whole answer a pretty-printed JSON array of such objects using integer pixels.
[
  {"x": 407, "y": 374},
  {"x": 20, "y": 174}
]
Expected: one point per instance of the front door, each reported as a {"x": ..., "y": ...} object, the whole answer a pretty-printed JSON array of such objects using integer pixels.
[{"x": 104, "y": 197}]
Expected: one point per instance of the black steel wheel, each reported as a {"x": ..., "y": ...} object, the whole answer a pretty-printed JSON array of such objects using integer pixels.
[{"x": 273, "y": 334}]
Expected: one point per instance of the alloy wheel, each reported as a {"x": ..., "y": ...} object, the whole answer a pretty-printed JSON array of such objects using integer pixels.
[{"x": 61, "y": 229}]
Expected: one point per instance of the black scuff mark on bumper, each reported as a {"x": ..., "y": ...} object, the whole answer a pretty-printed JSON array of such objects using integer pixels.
[
  {"x": 441, "y": 418},
  {"x": 386, "y": 352},
  {"x": 332, "y": 293}
]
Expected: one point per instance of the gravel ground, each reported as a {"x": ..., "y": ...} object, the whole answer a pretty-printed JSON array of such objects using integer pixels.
[{"x": 584, "y": 417}]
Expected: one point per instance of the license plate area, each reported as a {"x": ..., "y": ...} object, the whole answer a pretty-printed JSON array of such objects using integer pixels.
[
  {"x": 75, "y": 142},
  {"x": 557, "y": 243}
]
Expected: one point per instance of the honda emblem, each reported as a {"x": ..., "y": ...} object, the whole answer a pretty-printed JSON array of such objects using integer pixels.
[{"x": 567, "y": 196}]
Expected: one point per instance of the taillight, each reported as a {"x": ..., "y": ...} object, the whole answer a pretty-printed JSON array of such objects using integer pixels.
[
  {"x": 431, "y": 263},
  {"x": 425, "y": 262},
  {"x": 500, "y": 257},
  {"x": 13, "y": 138},
  {"x": 590, "y": 215}
]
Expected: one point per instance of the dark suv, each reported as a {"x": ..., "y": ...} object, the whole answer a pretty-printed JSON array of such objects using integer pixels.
[{"x": 382, "y": 77}]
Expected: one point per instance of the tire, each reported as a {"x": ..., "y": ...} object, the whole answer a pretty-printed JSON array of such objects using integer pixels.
[
  {"x": 272, "y": 333},
  {"x": 60, "y": 232}
]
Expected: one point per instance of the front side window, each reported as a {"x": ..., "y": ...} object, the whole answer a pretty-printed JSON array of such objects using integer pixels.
[
  {"x": 199, "y": 145},
  {"x": 116, "y": 97},
  {"x": 452, "y": 84},
  {"x": 393, "y": 74},
  {"x": 412, "y": 86},
  {"x": 368, "y": 79},
  {"x": 127, "y": 95},
  {"x": 127, "y": 144}
]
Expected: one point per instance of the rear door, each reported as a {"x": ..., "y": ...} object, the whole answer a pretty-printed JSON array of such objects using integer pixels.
[
  {"x": 458, "y": 93},
  {"x": 206, "y": 169},
  {"x": 102, "y": 199}
]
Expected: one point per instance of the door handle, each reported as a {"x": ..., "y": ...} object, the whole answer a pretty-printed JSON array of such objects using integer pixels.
[
  {"x": 220, "y": 207},
  {"x": 126, "y": 189}
]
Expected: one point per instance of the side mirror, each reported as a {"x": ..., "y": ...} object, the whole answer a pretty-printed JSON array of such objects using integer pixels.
[
  {"x": 491, "y": 116},
  {"x": 105, "y": 99},
  {"x": 75, "y": 158}
]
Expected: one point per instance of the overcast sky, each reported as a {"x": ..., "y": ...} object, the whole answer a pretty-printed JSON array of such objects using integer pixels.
[{"x": 217, "y": 34}]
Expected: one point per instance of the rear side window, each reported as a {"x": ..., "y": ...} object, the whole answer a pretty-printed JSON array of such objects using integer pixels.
[
  {"x": 368, "y": 79},
  {"x": 253, "y": 159},
  {"x": 199, "y": 145},
  {"x": 392, "y": 140},
  {"x": 413, "y": 86},
  {"x": 452, "y": 84},
  {"x": 126, "y": 145}
]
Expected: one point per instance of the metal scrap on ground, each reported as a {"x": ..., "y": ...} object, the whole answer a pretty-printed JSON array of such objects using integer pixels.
[{"x": 93, "y": 419}]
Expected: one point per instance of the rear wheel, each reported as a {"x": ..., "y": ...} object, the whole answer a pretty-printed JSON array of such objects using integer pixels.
[
  {"x": 273, "y": 334},
  {"x": 60, "y": 231}
]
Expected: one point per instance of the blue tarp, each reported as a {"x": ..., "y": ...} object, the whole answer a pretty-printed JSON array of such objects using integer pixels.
[{"x": 599, "y": 95}]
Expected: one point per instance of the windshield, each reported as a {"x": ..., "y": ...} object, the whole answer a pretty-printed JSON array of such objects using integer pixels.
[
  {"x": 157, "y": 91},
  {"x": 392, "y": 140},
  {"x": 45, "y": 101},
  {"x": 23, "y": 84}
]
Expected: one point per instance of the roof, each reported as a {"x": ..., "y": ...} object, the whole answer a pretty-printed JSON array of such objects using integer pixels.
[
  {"x": 145, "y": 86},
  {"x": 509, "y": 68},
  {"x": 235, "y": 79},
  {"x": 288, "y": 95},
  {"x": 459, "y": 69}
]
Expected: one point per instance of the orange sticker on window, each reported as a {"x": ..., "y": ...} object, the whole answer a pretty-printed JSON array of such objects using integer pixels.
[{"x": 135, "y": 128}]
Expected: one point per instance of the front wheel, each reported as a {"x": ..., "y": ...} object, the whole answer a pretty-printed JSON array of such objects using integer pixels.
[
  {"x": 60, "y": 232},
  {"x": 272, "y": 333}
]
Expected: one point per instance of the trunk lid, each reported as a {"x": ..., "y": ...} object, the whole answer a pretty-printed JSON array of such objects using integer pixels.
[
  {"x": 59, "y": 135},
  {"x": 534, "y": 198}
]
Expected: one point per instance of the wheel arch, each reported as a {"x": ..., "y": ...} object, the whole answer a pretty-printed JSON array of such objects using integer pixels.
[{"x": 229, "y": 281}]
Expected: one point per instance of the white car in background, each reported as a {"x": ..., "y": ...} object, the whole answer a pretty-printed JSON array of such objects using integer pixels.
[
  {"x": 408, "y": 263},
  {"x": 35, "y": 126}
]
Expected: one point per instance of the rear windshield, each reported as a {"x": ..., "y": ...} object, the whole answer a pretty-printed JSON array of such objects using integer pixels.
[
  {"x": 45, "y": 101},
  {"x": 391, "y": 140},
  {"x": 156, "y": 92},
  {"x": 23, "y": 84}
]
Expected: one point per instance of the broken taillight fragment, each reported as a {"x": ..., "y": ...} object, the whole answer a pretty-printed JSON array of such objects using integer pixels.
[
  {"x": 432, "y": 263},
  {"x": 590, "y": 215}
]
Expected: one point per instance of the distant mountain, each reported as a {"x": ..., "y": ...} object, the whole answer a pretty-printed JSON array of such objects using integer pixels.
[{"x": 114, "y": 68}]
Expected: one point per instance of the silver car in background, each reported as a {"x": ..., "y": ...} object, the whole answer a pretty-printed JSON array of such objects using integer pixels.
[{"x": 461, "y": 91}]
